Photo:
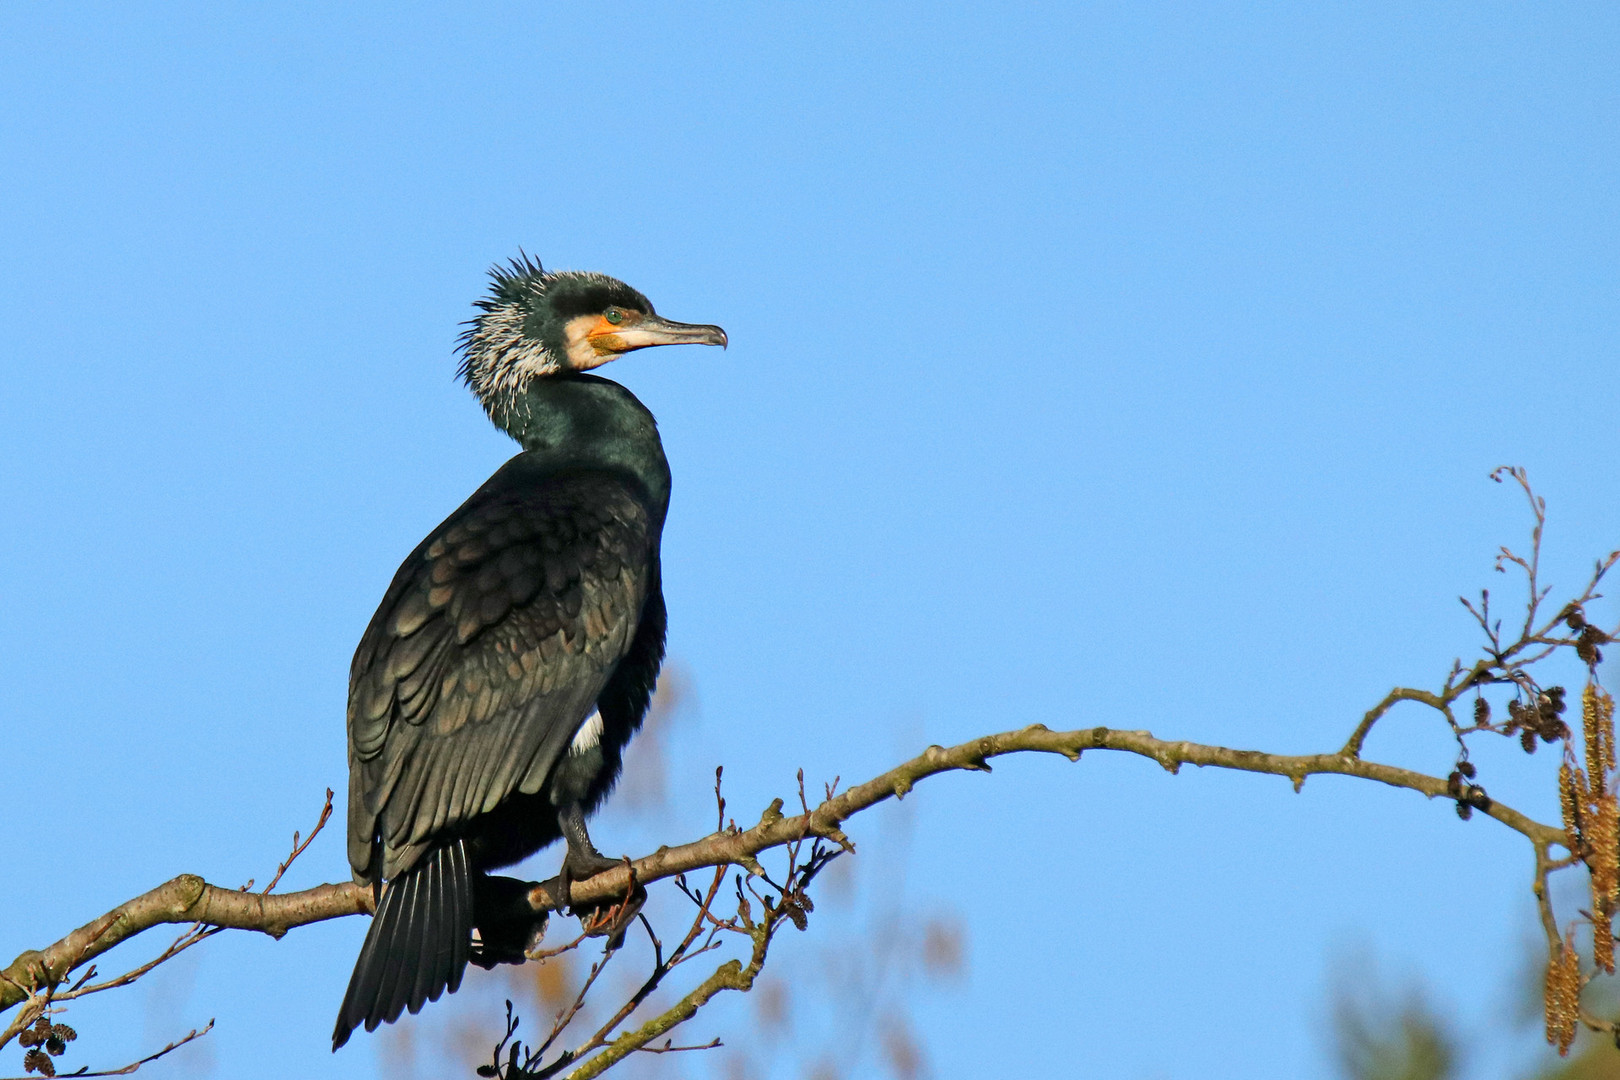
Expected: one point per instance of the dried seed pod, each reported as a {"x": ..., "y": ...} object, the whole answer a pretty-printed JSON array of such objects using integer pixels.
[
  {"x": 63, "y": 1032},
  {"x": 37, "y": 1060},
  {"x": 1477, "y": 798},
  {"x": 1454, "y": 784},
  {"x": 1563, "y": 993},
  {"x": 1573, "y": 617},
  {"x": 1586, "y": 646},
  {"x": 29, "y": 1037},
  {"x": 1527, "y": 740},
  {"x": 1467, "y": 769},
  {"x": 1482, "y": 712},
  {"x": 1464, "y": 811},
  {"x": 55, "y": 1047}
]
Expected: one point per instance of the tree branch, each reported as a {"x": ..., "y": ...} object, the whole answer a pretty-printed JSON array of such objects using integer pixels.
[
  {"x": 742, "y": 846},
  {"x": 189, "y": 899},
  {"x": 1590, "y": 836},
  {"x": 185, "y": 899}
]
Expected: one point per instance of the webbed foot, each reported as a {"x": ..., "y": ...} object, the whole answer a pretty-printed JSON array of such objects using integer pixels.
[{"x": 508, "y": 926}]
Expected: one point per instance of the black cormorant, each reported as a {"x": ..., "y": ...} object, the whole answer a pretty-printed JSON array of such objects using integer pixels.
[{"x": 514, "y": 654}]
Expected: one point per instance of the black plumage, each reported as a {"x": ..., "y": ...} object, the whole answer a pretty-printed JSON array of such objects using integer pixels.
[{"x": 515, "y": 653}]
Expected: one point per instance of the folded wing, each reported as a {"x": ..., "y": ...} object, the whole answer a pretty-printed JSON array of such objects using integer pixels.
[{"x": 488, "y": 651}]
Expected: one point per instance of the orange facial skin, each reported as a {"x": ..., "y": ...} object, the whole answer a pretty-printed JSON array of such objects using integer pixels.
[{"x": 593, "y": 340}]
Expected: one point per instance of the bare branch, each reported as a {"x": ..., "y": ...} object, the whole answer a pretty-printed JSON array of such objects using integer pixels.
[
  {"x": 185, "y": 899},
  {"x": 669, "y": 1047},
  {"x": 189, "y": 899},
  {"x": 135, "y": 1065},
  {"x": 609, "y": 900}
]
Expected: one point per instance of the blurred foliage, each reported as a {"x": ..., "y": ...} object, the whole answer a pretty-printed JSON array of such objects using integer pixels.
[
  {"x": 1380, "y": 1039},
  {"x": 1383, "y": 1034}
]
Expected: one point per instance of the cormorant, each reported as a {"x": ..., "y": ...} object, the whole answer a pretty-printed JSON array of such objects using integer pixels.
[{"x": 515, "y": 652}]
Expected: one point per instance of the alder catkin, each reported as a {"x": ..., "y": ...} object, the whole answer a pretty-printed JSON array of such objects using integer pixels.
[
  {"x": 1568, "y": 800},
  {"x": 1603, "y": 860},
  {"x": 1603, "y": 944},
  {"x": 1597, "y": 715},
  {"x": 1563, "y": 993},
  {"x": 1603, "y": 837}
]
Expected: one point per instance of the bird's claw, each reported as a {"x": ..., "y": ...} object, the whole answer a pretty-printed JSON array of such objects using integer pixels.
[
  {"x": 611, "y": 920},
  {"x": 580, "y": 865},
  {"x": 577, "y": 865}
]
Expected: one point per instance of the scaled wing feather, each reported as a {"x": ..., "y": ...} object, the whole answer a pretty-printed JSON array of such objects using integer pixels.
[{"x": 489, "y": 649}]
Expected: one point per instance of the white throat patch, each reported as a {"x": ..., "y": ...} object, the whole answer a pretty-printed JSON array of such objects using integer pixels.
[{"x": 588, "y": 735}]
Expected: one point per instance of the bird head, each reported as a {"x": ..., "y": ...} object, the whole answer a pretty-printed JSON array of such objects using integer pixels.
[{"x": 535, "y": 323}]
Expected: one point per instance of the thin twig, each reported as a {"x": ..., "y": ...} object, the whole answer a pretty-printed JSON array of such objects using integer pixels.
[
  {"x": 134, "y": 1065},
  {"x": 298, "y": 849},
  {"x": 669, "y": 1048}
]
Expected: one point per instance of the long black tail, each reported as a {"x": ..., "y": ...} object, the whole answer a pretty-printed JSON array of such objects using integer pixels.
[{"x": 418, "y": 943}]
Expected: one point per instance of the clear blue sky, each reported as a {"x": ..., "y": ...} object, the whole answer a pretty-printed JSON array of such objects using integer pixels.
[{"x": 1138, "y": 365}]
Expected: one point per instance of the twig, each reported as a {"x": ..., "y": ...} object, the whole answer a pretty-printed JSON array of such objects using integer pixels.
[
  {"x": 298, "y": 849},
  {"x": 566, "y": 1016},
  {"x": 669, "y": 1048},
  {"x": 661, "y": 968},
  {"x": 180, "y": 944},
  {"x": 185, "y": 899},
  {"x": 792, "y": 905},
  {"x": 135, "y": 1065}
]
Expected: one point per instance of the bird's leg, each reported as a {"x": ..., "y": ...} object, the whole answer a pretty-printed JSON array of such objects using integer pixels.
[
  {"x": 608, "y": 919},
  {"x": 583, "y": 860}
]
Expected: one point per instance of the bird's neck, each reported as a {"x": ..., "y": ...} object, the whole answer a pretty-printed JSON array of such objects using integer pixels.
[{"x": 581, "y": 421}]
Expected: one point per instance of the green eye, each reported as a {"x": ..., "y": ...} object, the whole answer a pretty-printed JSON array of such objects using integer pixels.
[{"x": 613, "y": 315}]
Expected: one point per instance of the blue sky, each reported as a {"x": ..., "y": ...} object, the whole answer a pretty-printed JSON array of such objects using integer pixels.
[{"x": 1138, "y": 365}]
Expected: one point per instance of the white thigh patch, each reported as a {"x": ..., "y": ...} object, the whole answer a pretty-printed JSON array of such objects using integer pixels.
[{"x": 588, "y": 735}]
